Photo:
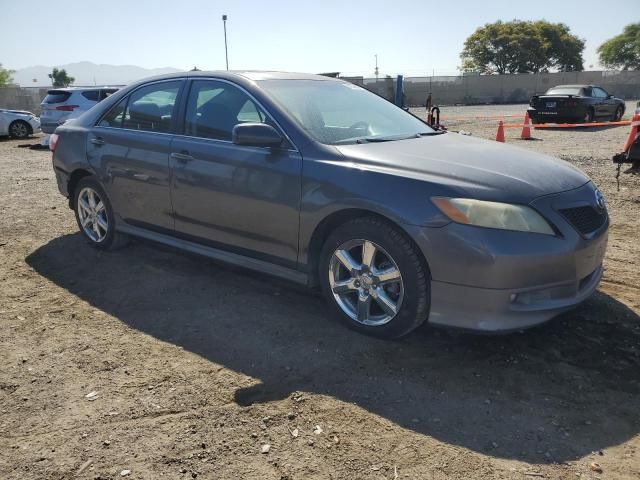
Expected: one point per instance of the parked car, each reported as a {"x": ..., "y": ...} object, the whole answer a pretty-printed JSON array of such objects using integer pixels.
[
  {"x": 575, "y": 104},
  {"x": 321, "y": 182},
  {"x": 61, "y": 104},
  {"x": 18, "y": 123}
]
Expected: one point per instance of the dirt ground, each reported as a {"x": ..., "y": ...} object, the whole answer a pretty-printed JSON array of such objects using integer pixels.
[{"x": 147, "y": 363}]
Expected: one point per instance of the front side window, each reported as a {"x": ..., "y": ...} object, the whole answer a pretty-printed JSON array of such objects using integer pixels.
[
  {"x": 340, "y": 113},
  {"x": 599, "y": 93},
  {"x": 214, "y": 108}
]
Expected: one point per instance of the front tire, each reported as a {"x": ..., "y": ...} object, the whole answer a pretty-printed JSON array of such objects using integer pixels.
[
  {"x": 19, "y": 129},
  {"x": 95, "y": 216},
  {"x": 374, "y": 278}
]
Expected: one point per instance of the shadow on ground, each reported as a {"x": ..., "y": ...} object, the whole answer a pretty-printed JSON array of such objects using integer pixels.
[{"x": 551, "y": 394}]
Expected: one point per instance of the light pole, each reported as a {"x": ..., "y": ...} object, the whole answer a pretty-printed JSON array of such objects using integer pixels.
[
  {"x": 226, "y": 53},
  {"x": 376, "y": 70}
]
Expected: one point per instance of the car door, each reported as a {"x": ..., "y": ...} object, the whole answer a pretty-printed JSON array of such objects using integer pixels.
[
  {"x": 603, "y": 107},
  {"x": 240, "y": 198},
  {"x": 130, "y": 148}
]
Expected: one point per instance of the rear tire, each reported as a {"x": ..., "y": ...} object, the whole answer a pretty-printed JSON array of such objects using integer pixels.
[
  {"x": 386, "y": 291},
  {"x": 588, "y": 116},
  {"x": 618, "y": 115},
  {"x": 19, "y": 129},
  {"x": 95, "y": 215}
]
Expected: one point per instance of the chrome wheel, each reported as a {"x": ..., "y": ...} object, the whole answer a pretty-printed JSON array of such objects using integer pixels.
[
  {"x": 92, "y": 214},
  {"x": 366, "y": 282},
  {"x": 19, "y": 130}
]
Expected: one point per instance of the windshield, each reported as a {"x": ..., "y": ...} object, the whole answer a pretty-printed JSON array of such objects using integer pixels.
[
  {"x": 338, "y": 113},
  {"x": 564, "y": 91}
]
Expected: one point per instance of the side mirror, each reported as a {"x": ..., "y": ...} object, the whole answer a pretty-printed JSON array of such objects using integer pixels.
[
  {"x": 609, "y": 96},
  {"x": 256, "y": 135}
]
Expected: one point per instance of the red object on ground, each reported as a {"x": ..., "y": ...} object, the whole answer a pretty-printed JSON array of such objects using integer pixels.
[
  {"x": 635, "y": 122},
  {"x": 526, "y": 129},
  {"x": 500, "y": 132}
]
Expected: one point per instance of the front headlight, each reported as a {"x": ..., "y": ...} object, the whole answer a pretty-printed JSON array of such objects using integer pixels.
[{"x": 504, "y": 216}]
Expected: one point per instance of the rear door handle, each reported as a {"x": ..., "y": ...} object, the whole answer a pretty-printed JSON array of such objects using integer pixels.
[
  {"x": 182, "y": 157},
  {"x": 97, "y": 141}
]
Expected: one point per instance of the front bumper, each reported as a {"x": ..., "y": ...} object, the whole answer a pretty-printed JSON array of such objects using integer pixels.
[
  {"x": 35, "y": 125},
  {"x": 505, "y": 310},
  {"x": 495, "y": 280}
]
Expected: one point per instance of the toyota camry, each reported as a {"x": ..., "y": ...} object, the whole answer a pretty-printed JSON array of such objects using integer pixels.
[{"x": 322, "y": 182}]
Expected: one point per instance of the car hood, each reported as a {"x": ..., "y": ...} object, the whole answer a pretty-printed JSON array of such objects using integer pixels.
[
  {"x": 15, "y": 112},
  {"x": 470, "y": 166}
]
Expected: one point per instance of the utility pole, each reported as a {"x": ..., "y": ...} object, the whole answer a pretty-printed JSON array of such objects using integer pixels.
[
  {"x": 376, "y": 70},
  {"x": 226, "y": 53}
]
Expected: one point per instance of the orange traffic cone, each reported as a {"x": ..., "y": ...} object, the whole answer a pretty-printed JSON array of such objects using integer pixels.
[
  {"x": 635, "y": 122},
  {"x": 526, "y": 129},
  {"x": 500, "y": 132}
]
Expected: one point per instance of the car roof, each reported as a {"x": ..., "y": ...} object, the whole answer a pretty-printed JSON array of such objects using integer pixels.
[
  {"x": 250, "y": 75},
  {"x": 79, "y": 89},
  {"x": 576, "y": 86}
]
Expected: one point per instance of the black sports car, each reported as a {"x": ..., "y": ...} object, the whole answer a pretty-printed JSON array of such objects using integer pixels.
[{"x": 575, "y": 104}]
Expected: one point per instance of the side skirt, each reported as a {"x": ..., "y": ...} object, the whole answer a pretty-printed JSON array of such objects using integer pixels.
[{"x": 217, "y": 254}]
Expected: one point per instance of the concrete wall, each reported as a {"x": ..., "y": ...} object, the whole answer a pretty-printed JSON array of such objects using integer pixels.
[
  {"x": 467, "y": 89},
  {"x": 17, "y": 98},
  {"x": 479, "y": 89}
]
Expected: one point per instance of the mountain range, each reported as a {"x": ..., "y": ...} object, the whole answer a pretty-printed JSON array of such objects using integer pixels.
[{"x": 87, "y": 73}]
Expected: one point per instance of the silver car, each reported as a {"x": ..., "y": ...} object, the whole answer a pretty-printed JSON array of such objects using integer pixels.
[
  {"x": 322, "y": 182},
  {"x": 18, "y": 123},
  {"x": 62, "y": 104}
]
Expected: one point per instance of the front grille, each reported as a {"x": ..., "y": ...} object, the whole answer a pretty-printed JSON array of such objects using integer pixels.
[{"x": 585, "y": 219}]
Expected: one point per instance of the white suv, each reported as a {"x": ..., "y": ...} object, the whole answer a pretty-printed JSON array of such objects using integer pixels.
[{"x": 61, "y": 104}]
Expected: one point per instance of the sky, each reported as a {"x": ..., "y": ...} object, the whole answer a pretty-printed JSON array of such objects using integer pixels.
[{"x": 412, "y": 37}]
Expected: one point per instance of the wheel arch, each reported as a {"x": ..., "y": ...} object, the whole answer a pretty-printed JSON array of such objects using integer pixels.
[
  {"x": 75, "y": 177},
  {"x": 333, "y": 221}
]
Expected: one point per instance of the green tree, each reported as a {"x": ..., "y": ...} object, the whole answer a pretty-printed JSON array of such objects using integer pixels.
[
  {"x": 522, "y": 47},
  {"x": 60, "y": 78},
  {"x": 622, "y": 51},
  {"x": 5, "y": 76}
]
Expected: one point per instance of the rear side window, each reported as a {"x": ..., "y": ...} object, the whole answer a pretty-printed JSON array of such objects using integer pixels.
[
  {"x": 114, "y": 117},
  {"x": 56, "y": 96},
  {"x": 149, "y": 108},
  {"x": 92, "y": 95}
]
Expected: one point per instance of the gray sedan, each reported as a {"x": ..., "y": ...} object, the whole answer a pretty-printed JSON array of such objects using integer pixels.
[{"x": 324, "y": 183}]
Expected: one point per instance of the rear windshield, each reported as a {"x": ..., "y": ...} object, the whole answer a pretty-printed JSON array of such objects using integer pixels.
[
  {"x": 56, "y": 96},
  {"x": 564, "y": 91}
]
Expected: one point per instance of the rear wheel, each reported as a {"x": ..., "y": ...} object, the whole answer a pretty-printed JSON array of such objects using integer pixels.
[
  {"x": 619, "y": 113},
  {"x": 19, "y": 129},
  {"x": 588, "y": 116},
  {"x": 94, "y": 215},
  {"x": 374, "y": 279}
]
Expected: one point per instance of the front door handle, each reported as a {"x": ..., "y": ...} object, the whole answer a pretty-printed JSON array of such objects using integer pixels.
[
  {"x": 97, "y": 141},
  {"x": 182, "y": 157}
]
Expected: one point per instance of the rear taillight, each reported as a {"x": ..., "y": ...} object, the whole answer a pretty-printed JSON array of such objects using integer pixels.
[
  {"x": 67, "y": 108},
  {"x": 53, "y": 141}
]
